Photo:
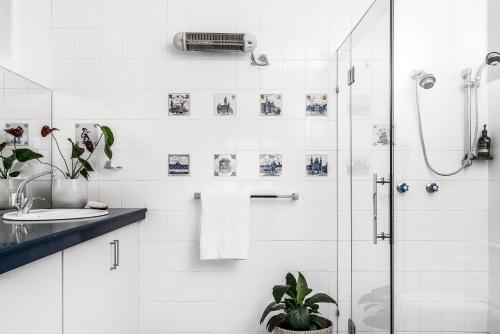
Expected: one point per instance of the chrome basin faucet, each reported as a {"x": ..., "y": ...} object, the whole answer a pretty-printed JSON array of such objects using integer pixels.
[{"x": 19, "y": 199}]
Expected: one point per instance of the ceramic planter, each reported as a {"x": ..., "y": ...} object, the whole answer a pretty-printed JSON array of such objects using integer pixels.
[
  {"x": 328, "y": 330},
  {"x": 69, "y": 193},
  {"x": 8, "y": 187}
]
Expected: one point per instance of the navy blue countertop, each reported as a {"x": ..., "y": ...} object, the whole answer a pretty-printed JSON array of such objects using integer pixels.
[{"x": 21, "y": 244}]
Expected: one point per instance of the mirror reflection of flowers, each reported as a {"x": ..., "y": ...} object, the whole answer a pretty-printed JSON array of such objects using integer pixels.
[
  {"x": 79, "y": 164},
  {"x": 17, "y": 155}
]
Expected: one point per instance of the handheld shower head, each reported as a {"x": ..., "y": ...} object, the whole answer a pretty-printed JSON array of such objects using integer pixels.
[
  {"x": 493, "y": 58},
  {"x": 424, "y": 79}
]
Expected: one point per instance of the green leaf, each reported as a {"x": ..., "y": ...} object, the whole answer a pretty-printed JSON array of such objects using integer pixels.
[
  {"x": 279, "y": 291},
  {"x": 290, "y": 303},
  {"x": 271, "y": 308},
  {"x": 25, "y": 154},
  {"x": 8, "y": 162},
  {"x": 84, "y": 173},
  {"x": 2, "y": 146},
  {"x": 314, "y": 307},
  {"x": 290, "y": 281},
  {"x": 275, "y": 321},
  {"x": 320, "y": 321},
  {"x": 302, "y": 288},
  {"x": 86, "y": 165},
  {"x": 108, "y": 152},
  {"x": 299, "y": 318},
  {"x": 313, "y": 327},
  {"x": 76, "y": 150},
  {"x": 109, "y": 139},
  {"x": 14, "y": 174},
  {"x": 319, "y": 298}
]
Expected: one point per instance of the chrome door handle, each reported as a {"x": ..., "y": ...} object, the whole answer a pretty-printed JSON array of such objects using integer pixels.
[
  {"x": 376, "y": 235},
  {"x": 116, "y": 254},
  {"x": 375, "y": 208}
]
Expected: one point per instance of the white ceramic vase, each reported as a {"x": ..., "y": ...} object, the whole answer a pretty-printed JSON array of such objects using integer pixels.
[
  {"x": 8, "y": 187},
  {"x": 69, "y": 193}
]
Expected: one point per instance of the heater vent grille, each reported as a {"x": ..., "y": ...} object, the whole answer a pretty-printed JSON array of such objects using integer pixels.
[
  {"x": 219, "y": 41},
  {"x": 197, "y": 41}
]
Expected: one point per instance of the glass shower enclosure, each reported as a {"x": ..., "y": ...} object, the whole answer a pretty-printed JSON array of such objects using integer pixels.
[
  {"x": 412, "y": 260},
  {"x": 364, "y": 118}
]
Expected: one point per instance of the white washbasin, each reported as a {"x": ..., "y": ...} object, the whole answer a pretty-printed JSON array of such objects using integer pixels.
[{"x": 48, "y": 215}]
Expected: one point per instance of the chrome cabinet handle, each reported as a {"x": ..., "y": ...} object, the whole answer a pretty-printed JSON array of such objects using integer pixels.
[
  {"x": 117, "y": 258},
  {"x": 116, "y": 254}
]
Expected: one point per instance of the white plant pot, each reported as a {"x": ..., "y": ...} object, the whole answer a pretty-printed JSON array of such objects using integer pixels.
[
  {"x": 328, "y": 330},
  {"x": 8, "y": 187},
  {"x": 69, "y": 193}
]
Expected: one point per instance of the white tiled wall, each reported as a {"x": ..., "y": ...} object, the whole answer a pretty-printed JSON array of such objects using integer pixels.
[
  {"x": 442, "y": 238},
  {"x": 113, "y": 62}
]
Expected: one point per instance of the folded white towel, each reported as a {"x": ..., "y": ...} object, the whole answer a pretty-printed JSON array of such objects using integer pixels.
[{"x": 225, "y": 225}]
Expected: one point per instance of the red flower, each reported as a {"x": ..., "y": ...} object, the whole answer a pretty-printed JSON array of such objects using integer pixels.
[
  {"x": 89, "y": 145},
  {"x": 46, "y": 130},
  {"x": 17, "y": 132}
]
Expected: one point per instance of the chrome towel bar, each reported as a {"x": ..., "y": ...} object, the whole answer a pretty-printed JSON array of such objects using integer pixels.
[{"x": 292, "y": 196}]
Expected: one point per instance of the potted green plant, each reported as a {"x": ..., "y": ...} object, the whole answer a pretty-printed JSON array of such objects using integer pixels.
[
  {"x": 10, "y": 166},
  {"x": 71, "y": 190},
  {"x": 297, "y": 313}
]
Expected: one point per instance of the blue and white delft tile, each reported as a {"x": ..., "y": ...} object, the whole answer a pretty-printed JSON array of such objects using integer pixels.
[
  {"x": 224, "y": 164},
  {"x": 179, "y": 104},
  {"x": 270, "y": 165}
]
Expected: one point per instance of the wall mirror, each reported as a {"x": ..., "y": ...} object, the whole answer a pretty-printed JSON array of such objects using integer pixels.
[{"x": 25, "y": 107}]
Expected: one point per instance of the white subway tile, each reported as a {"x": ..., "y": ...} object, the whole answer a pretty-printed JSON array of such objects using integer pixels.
[
  {"x": 110, "y": 193},
  {"x": 110, "y": 43},
  {"x": 110, "y": 13},
  {"x": 133, "y": 194},
  {"x": 86, "y": 43},
  {"x": 86, "y": 13},
  {"x": 62, "y": 42},
  {"x": 133, "y": 13},
  {"x": 63, "y": 13},
  {"x": 156, "y": 13}
]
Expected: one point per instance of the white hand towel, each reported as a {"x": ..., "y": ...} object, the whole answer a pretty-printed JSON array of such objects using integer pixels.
[{"x": 225, "y": 225}]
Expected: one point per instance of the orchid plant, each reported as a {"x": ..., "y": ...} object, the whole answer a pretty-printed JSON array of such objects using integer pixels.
[
  {"x": 78, "y": 165},
  {"x": 8, "y": 167}
]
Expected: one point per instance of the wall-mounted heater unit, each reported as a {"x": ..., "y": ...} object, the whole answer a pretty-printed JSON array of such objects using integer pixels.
[{"x": 221, "y": 42}]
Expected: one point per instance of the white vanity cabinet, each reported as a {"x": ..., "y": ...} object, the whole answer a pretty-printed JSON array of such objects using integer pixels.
[
  {"x": 96, "y": 298},
  {"x": 31, "y": 298}
]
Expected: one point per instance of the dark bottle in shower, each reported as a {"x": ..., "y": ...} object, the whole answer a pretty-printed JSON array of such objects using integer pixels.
[{"x": 484, "y": 145}]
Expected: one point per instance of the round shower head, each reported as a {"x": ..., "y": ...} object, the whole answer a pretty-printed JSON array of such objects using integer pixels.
[
  {"x": 493, "y": 58},
  {"x": 424, "y": 79},
  {"x": 427, "y": 81}
]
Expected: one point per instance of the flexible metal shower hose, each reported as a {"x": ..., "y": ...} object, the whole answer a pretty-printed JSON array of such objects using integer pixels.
[{"x": 466, "y": 161}]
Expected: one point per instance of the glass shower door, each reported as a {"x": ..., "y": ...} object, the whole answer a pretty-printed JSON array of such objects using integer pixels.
[{"x": 369, "y": 120}]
